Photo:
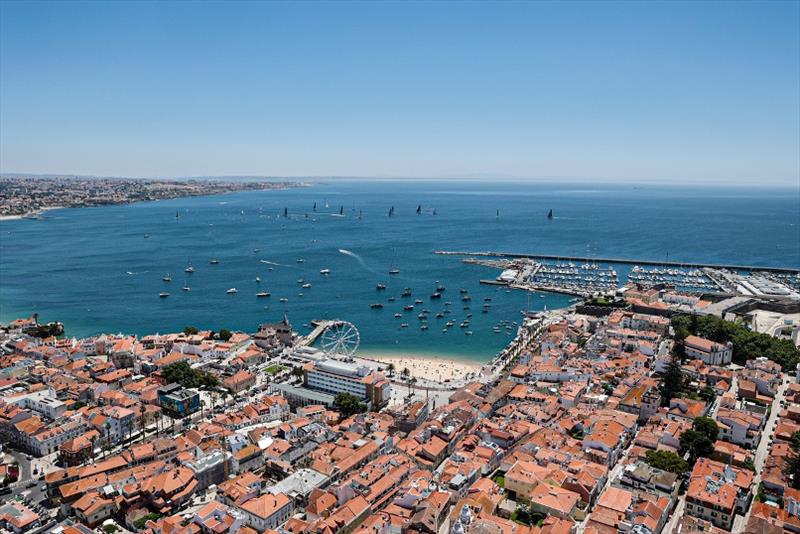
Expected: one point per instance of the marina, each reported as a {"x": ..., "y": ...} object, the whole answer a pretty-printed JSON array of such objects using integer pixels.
[
  {"x": 570, "y": 276},
  {"x": 595, "y": 259},
  {"x": 220, "y": 243}
]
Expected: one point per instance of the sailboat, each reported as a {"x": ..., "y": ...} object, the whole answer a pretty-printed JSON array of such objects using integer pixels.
[
  {"x": 550, "y": 214},
  {"x": 434, "y": 211},
  {"x": 497, "y": 216},
  {"x": 341, "y": 210},
  {"x": 189, "y": 269},
  {"x": 391, "y": 211},
  {"x": 167, "y": 278},
  {"x": 359, "y": 214},
  {"x": 186, "y": 286},
  {"x": 393, "y": 269},
  {"x": 419, "y": 209},
  {"x": 177, "y": 215},
  {"x": 285, "y": 212},
  {"x": 315, "y": 206}
]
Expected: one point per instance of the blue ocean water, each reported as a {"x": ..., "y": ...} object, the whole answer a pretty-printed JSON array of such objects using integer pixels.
[{"x": 73, "y": 265}]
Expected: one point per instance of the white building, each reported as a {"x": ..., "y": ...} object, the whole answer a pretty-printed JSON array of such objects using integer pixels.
[
  {"x": 43, "y": 402},
  {"x": 710, "y": 352},
  {"x": 267, "y": 511},
  {"x": 336, "y": 377}
]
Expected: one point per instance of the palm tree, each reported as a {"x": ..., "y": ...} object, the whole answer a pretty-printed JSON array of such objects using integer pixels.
[
  {"x": 390, "y": 369},
  {"x": 108, "y": 438},
  {"x": 411, "y": 381},
  {"x": 158, "y": 423},
  {"x": 141, "y": 420},
  {"x": 405, "y": 373},
  {"x": 92, "y": 441}
]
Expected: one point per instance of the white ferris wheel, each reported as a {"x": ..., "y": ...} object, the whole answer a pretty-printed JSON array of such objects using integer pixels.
[{"x": 340, "y": 339}]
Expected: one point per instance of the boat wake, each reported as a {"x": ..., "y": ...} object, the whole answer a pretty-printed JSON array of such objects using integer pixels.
[
  {"x": 356, "y": 257},
  {"x": 273, "y": 263}
]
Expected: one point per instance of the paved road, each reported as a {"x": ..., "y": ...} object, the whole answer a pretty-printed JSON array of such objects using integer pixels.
[
  {"x": 612, "y": 476},
  {"x": 676, "y": 516},
  {"x": 762, "y": 450}
]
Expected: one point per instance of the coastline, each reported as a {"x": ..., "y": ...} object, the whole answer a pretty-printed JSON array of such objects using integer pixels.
[
  {"x": 32, "y": 214},
  {"x": 431, "y": 367},
  {"x": 35, "y": 214}
]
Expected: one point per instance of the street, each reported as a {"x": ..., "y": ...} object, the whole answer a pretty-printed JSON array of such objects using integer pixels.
[{"x": 739, "y": 521}]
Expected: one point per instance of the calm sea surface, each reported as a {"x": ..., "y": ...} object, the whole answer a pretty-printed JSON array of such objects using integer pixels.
[{"x": 74, "y": 266}]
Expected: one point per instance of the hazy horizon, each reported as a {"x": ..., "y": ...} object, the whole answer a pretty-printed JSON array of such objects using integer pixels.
[
  {"x": 608, "y": 92},
  {"x": 473, "y": 179}
]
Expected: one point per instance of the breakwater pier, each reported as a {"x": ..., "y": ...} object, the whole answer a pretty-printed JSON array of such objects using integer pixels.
[
  {"x": 584, "y": 276},
  {"x": 625, "y": 261}
]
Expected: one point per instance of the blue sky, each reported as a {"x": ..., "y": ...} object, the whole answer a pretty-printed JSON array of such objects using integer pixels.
[{"x": 638, "y": 91}]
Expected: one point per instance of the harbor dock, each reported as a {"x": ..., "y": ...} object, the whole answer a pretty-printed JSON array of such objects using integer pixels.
[
  {"x": 584, "y": 277},
  {"x": 625, "y": 261}
]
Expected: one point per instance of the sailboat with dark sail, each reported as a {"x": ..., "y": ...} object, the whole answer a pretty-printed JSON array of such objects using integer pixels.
[
  {"x": 419, "y": 209},
  {"x": 550, "y": 214}
]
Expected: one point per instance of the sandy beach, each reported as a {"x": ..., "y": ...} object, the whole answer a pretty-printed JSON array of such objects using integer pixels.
[
  {"x": 427, "y": 367},
  {"x": 31, "y": 215}
]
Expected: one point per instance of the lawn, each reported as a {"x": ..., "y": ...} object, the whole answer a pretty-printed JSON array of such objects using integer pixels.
[{"x": 274, "y": 369}]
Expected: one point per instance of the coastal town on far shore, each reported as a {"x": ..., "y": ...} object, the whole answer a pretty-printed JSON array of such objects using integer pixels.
[
  {"x": 650, "y": 411},
  {"x": 30, "y": 196}
]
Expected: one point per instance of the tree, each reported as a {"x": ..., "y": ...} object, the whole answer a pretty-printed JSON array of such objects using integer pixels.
[
  {"x": 696, "y": 444},
  {"x": 139, "y": 523},
  {"x": 707, "y": 427},
  {"x": 792, "y": 464},
  {"x": 298, "y": 372},
  {"x": 190, "y": 330},
  {"x": 699, "y": 441},
  {"x": 225, "y": 334},
  {"x": 667, "y": 461},
  {"x": 411, "y": 382},
  {"x": 672, "y": 381},
  {"x": 182, "y": 373},
  {"x": 746, "y": 343},
  {"x": 142, "y": 410},
  {"x": 390, "y": 368},
  {"x": 708, "y": 394},
  {"x": 347, "y": 404},
  {"x": 405, "y": 373}
]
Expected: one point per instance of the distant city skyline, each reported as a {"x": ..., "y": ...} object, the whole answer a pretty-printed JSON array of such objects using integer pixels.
[{"x": 704, "y": 93}]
